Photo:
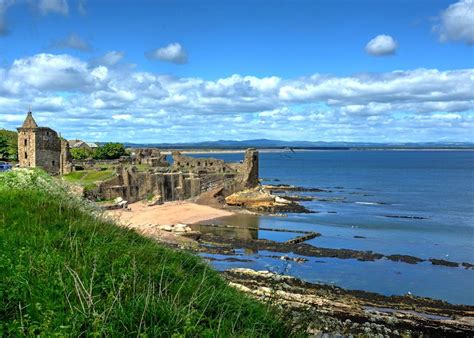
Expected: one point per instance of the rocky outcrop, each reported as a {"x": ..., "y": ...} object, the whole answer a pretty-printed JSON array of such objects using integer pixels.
[
  {"x": 259, "y": 200},
  {"x": 320, "y": 309}
]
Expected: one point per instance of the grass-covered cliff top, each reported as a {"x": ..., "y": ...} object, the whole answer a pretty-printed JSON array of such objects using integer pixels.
[{"x": 66, "y": 271}]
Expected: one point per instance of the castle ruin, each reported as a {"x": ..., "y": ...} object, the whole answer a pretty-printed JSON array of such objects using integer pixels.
[
  {"x": 42, "y": 147},
  {"x": 185, "y": 178}
]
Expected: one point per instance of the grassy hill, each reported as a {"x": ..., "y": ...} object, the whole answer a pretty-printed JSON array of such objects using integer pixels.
[{"x": 64, "y": 270}]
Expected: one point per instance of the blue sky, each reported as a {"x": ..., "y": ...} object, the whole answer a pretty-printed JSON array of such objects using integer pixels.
[{"x": 174, "y": 71}]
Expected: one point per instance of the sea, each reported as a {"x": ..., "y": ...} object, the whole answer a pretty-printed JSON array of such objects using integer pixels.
[{"x": 418, "y": 203}]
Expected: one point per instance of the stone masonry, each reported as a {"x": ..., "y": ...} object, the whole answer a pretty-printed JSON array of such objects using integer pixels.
[{"x": 42, "y": 147}]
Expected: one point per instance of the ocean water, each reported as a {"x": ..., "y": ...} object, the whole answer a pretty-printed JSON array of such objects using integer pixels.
[{"x": 363, "y": 188}]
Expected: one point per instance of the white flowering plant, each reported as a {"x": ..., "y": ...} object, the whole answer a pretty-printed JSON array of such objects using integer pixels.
[{"x": 36, "y": 179}]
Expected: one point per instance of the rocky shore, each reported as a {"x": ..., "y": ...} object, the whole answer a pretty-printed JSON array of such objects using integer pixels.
[
  {"x": 226, "y": 245},
  {"x": 320, "y": 309}
]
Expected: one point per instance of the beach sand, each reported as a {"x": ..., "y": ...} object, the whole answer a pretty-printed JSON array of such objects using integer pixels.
[
  {"x": 167, "y": 214},
  {"x": 146, "y": 219}
]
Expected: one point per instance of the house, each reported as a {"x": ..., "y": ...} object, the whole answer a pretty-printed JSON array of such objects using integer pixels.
[{"x": 82, "y": 144}]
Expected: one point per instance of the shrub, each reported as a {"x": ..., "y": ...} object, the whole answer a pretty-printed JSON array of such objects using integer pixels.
[{"x": 110, "y": 151}]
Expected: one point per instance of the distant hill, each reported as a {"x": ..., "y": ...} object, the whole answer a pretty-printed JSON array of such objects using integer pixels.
[{"x": 276, "y": 144}]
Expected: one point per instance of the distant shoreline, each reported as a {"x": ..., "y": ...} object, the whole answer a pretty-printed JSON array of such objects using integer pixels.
[{"x": 278, "y": 150}]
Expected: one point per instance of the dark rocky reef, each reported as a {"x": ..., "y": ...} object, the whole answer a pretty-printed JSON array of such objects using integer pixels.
[{"x": 320, "y": 309}]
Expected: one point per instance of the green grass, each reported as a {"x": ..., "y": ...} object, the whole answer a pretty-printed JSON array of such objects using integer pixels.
[
  {"x": 65, "y": 272},
  {"x": 88, "y": 178}
]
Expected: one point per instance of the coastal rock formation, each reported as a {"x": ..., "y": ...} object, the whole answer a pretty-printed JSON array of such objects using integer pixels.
[
  {"x": 320, "y": 309},
  {"x": 260, "y": 200}
]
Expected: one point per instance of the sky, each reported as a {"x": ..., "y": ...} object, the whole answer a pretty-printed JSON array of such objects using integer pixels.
[{"x": 184, "y": 71}]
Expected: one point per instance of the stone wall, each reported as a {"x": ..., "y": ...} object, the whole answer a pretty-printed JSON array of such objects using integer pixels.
[
  {"x": 65, "y": 159},
  {"x": 26, "y": 148},
  {"x": 42, "y": 147},
  {"x": 250, "y": 168},
  {"x": 133, "y": 185},
  {"x": 188, "y": 177},
  {"x": 39, "y": 147},
  {"x": 148, "y": 156}
]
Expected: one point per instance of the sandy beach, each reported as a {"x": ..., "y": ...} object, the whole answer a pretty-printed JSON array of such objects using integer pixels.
[{"x": 167, "y": 214}]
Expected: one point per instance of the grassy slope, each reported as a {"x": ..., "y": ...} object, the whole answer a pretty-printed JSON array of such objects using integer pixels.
[
  {"x": 87, "y": 178},
  {"x": 63, "y": 271}
]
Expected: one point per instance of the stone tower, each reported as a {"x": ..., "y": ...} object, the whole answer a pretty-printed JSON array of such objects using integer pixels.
[
  {"x": 41, "y": 147},
  {"x": 250, "y": 168}
]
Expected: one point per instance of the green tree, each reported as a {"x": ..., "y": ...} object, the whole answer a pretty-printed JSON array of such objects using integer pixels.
[
  {"x": 81, "y": 153},
  {"x": 4, "y": 148},
  {"x": 12, "y": 141},
  {"x": 110, "y": 151}
]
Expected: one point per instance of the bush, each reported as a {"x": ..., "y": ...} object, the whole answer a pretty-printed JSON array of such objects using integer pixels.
[
  {"x": 110, "y": 151},
  {"x": 4, "y": 151},
  {"x": 8, "y": 145},
  {"x": 65, "y": 271},
  {"x": 81, "y": 153}
]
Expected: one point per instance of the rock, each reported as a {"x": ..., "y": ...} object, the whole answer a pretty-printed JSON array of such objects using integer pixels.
[
  {"x": 279, "y": 199},
  {"x": 435, "y": 261},
  {"x": 155, "y": 200},
  {"x": 118, "y": 200},
  {"x": 293, "y": 259},
  {"x": 259, "y": 200},
  {"x": 122, "y": 204}
]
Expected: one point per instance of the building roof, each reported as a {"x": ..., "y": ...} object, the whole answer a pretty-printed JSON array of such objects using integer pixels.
[
  {"x": 80, "y": 143},
  {"x": 29, "y": 121},
  {"x": 72, "y": 143}
]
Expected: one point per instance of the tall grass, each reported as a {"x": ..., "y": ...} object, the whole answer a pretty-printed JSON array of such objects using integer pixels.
[{"x": 66, "y": 271}]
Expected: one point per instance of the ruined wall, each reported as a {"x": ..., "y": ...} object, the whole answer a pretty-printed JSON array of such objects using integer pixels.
[
  {"x": 250, "y": 168},
  {"x": 187, "y": 178},
  {"x": 65, "y": 166},
  {"x": 198, "y": 165},
  {"x": 133, "y": 186},
  {"x": 39, "y": 147},
  {"x": 48, "y": 150},
  {"x": 149, "y": 156}
]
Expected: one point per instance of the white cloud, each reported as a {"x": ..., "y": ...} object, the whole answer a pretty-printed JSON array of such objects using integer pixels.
[
  {"x": 122, "y": 117},
  {"x": 109, "y": 59},
  {"x": 120, "y": 103},
  {"x": 53, "y": 6},
  {"x": 381, "y": 45},
  {"x": 48, "y": 72},
  {"x": 72, "y": 41},
  {"x": 456, "y": 23},
  {"x": 173, "y": 53}
]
